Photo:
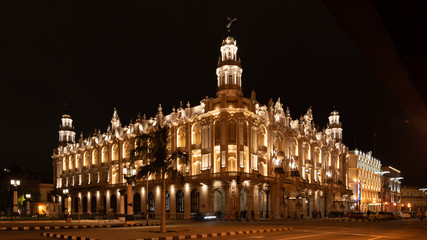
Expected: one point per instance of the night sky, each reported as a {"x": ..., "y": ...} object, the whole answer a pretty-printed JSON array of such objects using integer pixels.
[{"x": 133, "y": 56}]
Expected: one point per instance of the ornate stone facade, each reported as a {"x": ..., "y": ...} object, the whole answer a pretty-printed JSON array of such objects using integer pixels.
[{"x": 247, "y": 159}]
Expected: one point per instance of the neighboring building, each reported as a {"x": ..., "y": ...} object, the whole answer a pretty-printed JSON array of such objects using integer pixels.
[
  {"x": 390, "y": 191},
  {"x": 37, "y": 185},
  {"x": 365, "y": 181},
  {"x": 414, "y": 199},
  {"x": 246, "y": 159}
]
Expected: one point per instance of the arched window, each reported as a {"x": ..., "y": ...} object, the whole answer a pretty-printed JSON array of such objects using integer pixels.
[
  {"x": 84, "y": 205},
  {"x": 245, "y": 134},
  {"x": 126, "y": 149},
  {"x": 64, "y": 164},
  {"x": 115, "y": 152},
  {"x": 307, "y": 151},
  {"x": 168, "y": 208},
  {"x": 231, "y": 132},
  {"x": 86, "y": 157},
  {"x": 180, "y": 201},
  {"x": 294, "y": 149},
  {"x": 95, "y": 156},
  {"x": 104, "y": 157},
  {"x": 217, "y": 133},
  {"x": 70, "y": 162},
  {"x": 151, "y": 202},
  {"x": 137, "y": 203},
  {"x": 195, "y": 201},
  {"x": 78, "y": 160},
  {"x": 113, "y": 203},
  {"x": 196, "y": 136},
  {"x": 76, "y": 204},
  {"x": 262, "y": 136},
  {"x": 93, "y": 204},
  {"x": 278, "y": 143},
  {"x": 181, "y": 137}
]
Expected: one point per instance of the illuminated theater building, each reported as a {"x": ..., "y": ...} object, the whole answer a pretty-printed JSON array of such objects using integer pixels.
[{"x": 246, "y": 159}]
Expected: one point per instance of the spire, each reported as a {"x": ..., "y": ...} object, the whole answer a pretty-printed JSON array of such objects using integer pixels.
[{"x": 229, "y": 71}]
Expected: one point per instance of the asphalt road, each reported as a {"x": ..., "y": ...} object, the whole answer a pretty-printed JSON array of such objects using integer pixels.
[{"x": 309, "y": 229}]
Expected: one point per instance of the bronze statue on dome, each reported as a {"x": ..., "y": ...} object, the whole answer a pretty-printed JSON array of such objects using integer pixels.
[{"x": 230, "y": 20}]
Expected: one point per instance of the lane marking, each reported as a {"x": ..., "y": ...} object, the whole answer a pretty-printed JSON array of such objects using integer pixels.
[{"x": 313, "y": 235}]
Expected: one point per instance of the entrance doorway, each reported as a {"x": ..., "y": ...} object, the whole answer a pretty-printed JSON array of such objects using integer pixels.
[{"x": 219, "y": 203}]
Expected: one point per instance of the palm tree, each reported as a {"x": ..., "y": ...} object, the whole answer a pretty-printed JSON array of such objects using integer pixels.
[{"x": 155, "y": 146}]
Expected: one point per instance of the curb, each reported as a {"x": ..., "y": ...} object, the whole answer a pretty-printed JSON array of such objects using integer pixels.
[
  {"x": 349, "y": 220},
  {"x": 61, "y": 236},
  {"x": 220, "y": 234},
  {"x": 72, "y": 227},
  {"x": 193, "y": 236}
]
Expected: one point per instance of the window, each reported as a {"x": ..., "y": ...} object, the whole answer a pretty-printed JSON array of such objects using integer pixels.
[
  {"x": 151, "y": 202},
  {"x": 104, "y": 157},
  {"x": 115, "y": 152},
  {"x": 167, "y": 202},
  {"x": 181, "y": 137},
  {"x": 231, "y": 132},
  {"x": 195, "y": 201},
  {"x": 180, "y": 201},
  {"x": 196, "y": 134}
]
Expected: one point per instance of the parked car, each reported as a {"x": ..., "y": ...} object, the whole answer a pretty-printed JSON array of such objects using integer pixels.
[
  {"x": 357, "y": 215},
  {"x": 380, "y": 216},
  {"x": 405, "y": 215}
]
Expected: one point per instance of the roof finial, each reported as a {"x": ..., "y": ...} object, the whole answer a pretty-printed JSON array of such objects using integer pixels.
[{"x": 230, "y": 20}]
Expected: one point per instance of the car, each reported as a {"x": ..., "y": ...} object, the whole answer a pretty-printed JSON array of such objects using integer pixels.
[
  {"x": 356, "y": 215},
  {"x": 405, "y": 215},
  {"x": 380, "y": 216},
  {"x": 197, "y": 216}
]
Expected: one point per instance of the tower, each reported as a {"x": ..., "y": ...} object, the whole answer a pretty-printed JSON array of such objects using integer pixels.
[
  {"x": 335, "y": 126},
  {"x": 66, "y": 129},
  {"x": 229, "y": 70}
]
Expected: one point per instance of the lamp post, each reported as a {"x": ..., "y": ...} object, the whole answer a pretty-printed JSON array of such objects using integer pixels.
[
  {"x": 129, "y": 174},
  {"x": 15, "y": 184},
  {"x": 28, "y": 197},
  {"x": 66, "y": 195}
]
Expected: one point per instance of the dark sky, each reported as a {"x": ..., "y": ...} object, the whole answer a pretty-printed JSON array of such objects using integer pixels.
[{"x": 133, "y": 56}]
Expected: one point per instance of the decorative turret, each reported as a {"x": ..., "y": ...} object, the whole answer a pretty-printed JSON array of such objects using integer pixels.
[
  {"x": 335, "y": 126},
  {"x": 229, "y": 71},
  {"x": 66, "y": 129},
  {"x": 115, "y": 120}
]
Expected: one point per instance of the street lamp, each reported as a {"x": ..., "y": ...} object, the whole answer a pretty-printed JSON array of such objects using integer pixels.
[
  {"x": 129, "y": 174},
  {"x": 15, "y": 184},
  {"x": 28, "y": 197},
  {"x": 66, "y": 196}
]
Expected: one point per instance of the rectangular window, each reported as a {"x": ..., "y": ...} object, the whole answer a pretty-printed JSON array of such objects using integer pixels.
[{"x": 254, "y": 160}]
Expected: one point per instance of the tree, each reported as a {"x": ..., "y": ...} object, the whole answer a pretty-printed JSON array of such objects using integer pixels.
[{"x": 161, "y": 161}]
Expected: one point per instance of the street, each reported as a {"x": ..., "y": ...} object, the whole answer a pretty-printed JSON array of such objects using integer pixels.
[{"x": 304, "y": 229}]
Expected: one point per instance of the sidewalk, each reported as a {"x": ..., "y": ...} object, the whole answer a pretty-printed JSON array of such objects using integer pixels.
[
  {"x": 175, "y": 230},
  {"x": 62, "y": 224}
]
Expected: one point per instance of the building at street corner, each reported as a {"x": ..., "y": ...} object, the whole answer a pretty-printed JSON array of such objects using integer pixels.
[
  {"x": 247, "y": 159},
  {"x": 414, "y": 199},
  {"x": 364, "y": 181}
]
